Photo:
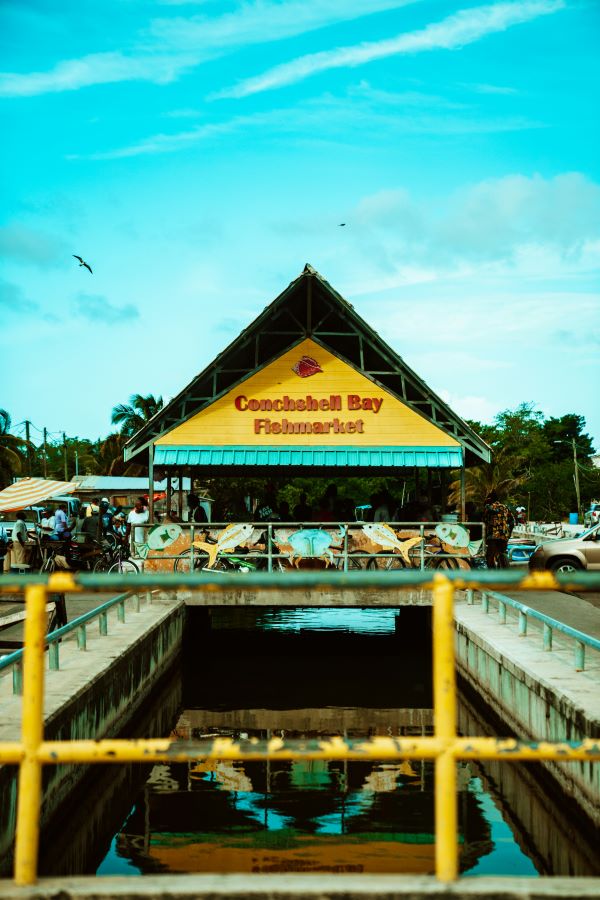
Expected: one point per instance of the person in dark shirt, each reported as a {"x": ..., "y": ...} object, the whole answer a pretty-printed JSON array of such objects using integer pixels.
[
  {"x": 302, "y": 511},
  {"x": 196, "y": 513}
]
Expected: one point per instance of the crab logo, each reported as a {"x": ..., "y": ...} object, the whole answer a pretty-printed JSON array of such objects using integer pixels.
[{"x": 307, "y": 366}]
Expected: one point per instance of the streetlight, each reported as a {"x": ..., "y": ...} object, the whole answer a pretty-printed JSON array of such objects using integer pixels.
[{"x": 576, "y": 476}]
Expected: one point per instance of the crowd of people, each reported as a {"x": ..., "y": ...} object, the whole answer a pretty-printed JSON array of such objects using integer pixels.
[{"x": 330, "y": 507}]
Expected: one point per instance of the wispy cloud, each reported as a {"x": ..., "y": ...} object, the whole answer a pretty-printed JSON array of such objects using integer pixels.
[
  {"x": 13, "y": 300},
  {"x": 24, "y": 244},
  {"x": 170, "y": 47},
  {"x": 335, "y": 119},
  {"x": 263, "y": 21},
  {"x": 464, "y": 27},
  {"x": 96, "y": 308},
  {"x": 96, "y": 68}
]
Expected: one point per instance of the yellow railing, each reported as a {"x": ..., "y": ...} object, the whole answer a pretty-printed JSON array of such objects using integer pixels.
[{"x": 444, "y": 747}]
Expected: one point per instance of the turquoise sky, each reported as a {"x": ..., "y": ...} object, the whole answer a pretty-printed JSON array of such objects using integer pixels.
[{"x": 198, "y": 154}]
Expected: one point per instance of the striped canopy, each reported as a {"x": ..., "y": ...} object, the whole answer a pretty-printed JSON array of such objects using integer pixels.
[{"x": 31, "y": 491}]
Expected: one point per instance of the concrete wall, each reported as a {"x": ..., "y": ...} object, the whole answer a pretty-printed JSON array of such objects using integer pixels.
[
  {"x": 536, "y": 694},
  {"x": 95, "y": 695}
]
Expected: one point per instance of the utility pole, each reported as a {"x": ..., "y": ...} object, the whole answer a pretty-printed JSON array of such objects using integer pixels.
[
  {"x": 65, "y": 456},
  {"x": 28, "y": 439},
  {"x": 45, "y": 453},
  {"x": 577, "y": 492}
]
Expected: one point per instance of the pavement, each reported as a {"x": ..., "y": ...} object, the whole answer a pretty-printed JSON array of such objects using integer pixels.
[
  {"x": 581, "y": 612},
  {"x": 12, "y": 614}
]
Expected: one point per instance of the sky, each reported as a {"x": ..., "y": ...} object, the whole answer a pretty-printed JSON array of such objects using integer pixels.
[{"x": 198, "y": 154}]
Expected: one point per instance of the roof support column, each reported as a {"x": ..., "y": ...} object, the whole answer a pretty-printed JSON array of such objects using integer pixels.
[
  {"x": 151, "y": 483},
  {"x": 169, "y": 493},
  {"x": 463, "y": 514}
]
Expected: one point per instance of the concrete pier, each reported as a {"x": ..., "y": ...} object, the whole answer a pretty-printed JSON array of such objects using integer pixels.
[{"x": 93, "y": 695}]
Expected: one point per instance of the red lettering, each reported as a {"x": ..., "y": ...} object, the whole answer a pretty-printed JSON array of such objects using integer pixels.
[
  {"x": 354, "y": 401},
  {"x": 359, "y": 426},
  {"x": 324, "y": 405},
  {"x": 239, "y": 403},
  {"x": 276, "y": 428}
]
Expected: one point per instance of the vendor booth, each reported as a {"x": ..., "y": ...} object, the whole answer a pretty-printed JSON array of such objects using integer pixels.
[{"x": 309, "y": 388}]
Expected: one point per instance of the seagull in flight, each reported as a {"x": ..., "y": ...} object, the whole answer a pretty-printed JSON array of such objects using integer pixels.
[
  {"x": 342, "y": 225},
  {"x": 83, "y": 263}
]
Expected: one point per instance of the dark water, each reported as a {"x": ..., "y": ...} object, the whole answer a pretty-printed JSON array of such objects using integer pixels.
[{"x": 351, "y": 676}]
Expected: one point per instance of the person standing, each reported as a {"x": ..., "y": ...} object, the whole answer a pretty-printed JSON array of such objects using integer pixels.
[
  {"x": 138, "y": 516},
  {"x": 61, "y": 528},
  {"x": 499, "y": 523},
  {"x": 196, "y": 512},
  {"x": 19, "y": 555}
]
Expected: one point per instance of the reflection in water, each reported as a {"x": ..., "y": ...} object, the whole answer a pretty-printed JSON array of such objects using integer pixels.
[
  {"x": 281, "y": 816},
  {"x": 291, "y": 816}
]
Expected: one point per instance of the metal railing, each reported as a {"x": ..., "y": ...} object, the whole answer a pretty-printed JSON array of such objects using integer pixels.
[
  {"x": 549, "y": 625},
  {"x": 340, "y": 552},
  {"x": 14, "y": 660},
  {"x": 445, "y": 747}
]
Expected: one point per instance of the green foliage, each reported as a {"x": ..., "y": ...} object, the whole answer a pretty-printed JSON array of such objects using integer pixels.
[
  {"x": 533, "y": 463},
  {"x": 134, "y": 415}
]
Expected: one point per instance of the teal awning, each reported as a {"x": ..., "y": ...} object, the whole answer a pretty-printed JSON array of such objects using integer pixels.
[{"x": 367, "y": 457}]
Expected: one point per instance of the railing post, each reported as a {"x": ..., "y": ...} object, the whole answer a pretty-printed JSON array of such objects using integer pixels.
[
  {"x": 470, "y": 596},
  {"x": 192, "y": 548},
  {"x": 579, "y": 656},
  {"x": 82, "y": 637},
  {"x": 53, "y": 655},
  {"x": 136, "y": 602},
  {"x": 103, "y": 623},
  {"x": 485, "y": 602},
  {"x": 149, "y": 597},
  {"x": 422, "y": 550},
  {"x": 444, "y": 717},
  {"x": 345, "y": 546},
  {"x": 270, "y": 547},
  {"x": 522, "y": 623},
  {"x": 501, "y": 612},
  {"x": 32, "y": 733},
  {"x": 121, "y": 610},
  {"x": 547, "y": 636},
  {"x": 17, "y": 677}
]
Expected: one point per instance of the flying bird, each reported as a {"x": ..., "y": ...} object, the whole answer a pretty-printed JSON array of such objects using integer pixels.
[
  {"x": 83, "y": 263},
  {"x": 342, "y": 225}
]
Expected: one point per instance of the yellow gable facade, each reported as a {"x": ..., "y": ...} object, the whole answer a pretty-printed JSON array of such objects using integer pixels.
[{"x": 307, "y": 397}]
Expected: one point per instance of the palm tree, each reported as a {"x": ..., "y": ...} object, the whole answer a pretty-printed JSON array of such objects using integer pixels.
[
  {"x": 11, "y": 447},
  {"x": 501, "y": 475},
  {"x": 133, "y": 416}
]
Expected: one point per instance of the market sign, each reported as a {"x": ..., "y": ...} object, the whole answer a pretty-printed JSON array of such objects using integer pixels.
[{"x": 308, "y": 396}]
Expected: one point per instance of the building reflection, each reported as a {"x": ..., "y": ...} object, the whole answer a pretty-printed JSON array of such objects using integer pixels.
[{"x": 294, "y": 816}]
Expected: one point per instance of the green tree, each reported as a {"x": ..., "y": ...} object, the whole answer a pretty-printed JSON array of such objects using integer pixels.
[
  {"x": 134, "y": 415},
  {"x": 12, "y": 451}
]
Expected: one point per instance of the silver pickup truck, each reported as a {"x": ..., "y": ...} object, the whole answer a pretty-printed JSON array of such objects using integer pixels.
[{"x": 35, "y": 514}]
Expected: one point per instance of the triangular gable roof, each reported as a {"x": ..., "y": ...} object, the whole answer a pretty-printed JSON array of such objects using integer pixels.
[{"x": 309, "y": 307}]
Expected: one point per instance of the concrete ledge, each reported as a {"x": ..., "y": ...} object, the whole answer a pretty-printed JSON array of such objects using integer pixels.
[
  {"x": 95, "y": 694},
  {"x": 302, "y": 887},
  {"x": 359, "y": 598},
  {"x": 538, "y": 694}
]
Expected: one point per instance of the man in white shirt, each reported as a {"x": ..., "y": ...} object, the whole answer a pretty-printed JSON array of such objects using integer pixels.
[
  {"x": 138, "y": 516},
  {"x": 20, "y": 541}
]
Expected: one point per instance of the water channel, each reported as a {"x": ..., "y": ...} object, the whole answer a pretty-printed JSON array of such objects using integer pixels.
[{"x": 301, "y": 674}]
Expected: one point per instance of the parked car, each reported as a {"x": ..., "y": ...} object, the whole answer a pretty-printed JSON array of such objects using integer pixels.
[
  {"x": 592, "y": 515},
  {"x": 569, "y": 554}
]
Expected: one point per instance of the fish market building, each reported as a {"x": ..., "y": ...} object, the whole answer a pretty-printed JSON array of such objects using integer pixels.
[{"x": 309, "y": 388}]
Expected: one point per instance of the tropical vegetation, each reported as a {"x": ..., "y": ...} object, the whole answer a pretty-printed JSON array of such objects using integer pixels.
[{"x": 533, "y": 464}]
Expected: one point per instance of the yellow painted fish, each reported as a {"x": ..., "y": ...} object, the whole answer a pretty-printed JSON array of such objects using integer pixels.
[
  {"x": 235, "y": 535},
  {"x": 386, "y": 537}
]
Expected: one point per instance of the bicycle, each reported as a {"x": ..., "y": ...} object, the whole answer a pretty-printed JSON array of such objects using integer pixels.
[
  {"x": 116, "y": 560},
  {"x": 225, "y": 562}
]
